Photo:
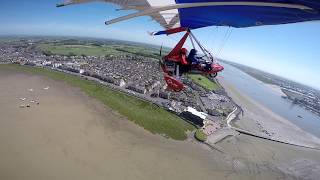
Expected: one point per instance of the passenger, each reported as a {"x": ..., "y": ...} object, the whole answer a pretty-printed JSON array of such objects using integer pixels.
[{"x": 184, "y": 59}]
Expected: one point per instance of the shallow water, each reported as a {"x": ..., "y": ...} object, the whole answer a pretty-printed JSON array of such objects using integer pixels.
[{"x": 258, "y": 91}]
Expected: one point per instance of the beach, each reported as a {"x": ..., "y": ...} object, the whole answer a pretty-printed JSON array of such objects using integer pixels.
[
  {"x": 301, "y": 163},
  {"x": 70, "y": 135},
  {"x": 260, "y": 120},
  {"x": 265, "y": 159},
  {"x": 276, "y": 89}
]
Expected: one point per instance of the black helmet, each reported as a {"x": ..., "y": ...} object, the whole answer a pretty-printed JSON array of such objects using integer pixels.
[{"x": 193, "y": 51}]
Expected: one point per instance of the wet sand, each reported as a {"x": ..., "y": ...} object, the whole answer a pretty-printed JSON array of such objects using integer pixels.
[
  {"x": 263, "y": 158},
  {"x": 259, "y": 155},
  {"x": 276, "y": 89},
  {"x": 261, "y": 120},
  {"x": 71, "y": 136}
]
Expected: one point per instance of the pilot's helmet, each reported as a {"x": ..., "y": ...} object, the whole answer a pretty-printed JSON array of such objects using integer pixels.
[{"x": 193, "y": 51}]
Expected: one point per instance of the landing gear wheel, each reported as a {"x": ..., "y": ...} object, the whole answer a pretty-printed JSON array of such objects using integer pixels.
[{"x": 214, "y": 75}]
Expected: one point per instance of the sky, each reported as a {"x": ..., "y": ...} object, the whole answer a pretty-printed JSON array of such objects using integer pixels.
[{"x": 291, "y": 51}]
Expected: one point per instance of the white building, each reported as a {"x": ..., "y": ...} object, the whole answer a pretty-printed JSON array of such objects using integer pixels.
[{"x": 193, "y": 111}]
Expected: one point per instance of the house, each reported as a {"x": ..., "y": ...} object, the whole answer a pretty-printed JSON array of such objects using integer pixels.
[
  {"x": 214, "y": 112},
  {"x": 137, "y": 89},
  {"x": 164, "y": 95},
  {"x": 120, "y": 82},
  {"x": 108, "y": 79}
]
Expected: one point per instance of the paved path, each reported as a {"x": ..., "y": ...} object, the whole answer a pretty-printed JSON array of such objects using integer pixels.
[{"x": 220, "y": 134}]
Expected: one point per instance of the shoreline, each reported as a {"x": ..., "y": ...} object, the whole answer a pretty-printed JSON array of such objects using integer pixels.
[
  {"x": 132, "y": 107},
  {"x": 250, "y": 118},
  {"x": 275, "y": 88},
  {"x": 260, "y": 120},
  {"x": 83, "y": 142},
  {"x": 71, "y": 135}
]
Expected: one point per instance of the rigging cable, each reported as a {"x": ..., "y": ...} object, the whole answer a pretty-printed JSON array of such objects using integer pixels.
[
  {"x": 215, "y": 31},
  {"x": 224, "y": 41},
  {"x": 221, "y": 41},
  {"x": 176, "y": 40}
]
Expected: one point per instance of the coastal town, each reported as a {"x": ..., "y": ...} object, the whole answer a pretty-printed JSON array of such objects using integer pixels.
[
  {"x": 298, "y": 94},
  {"x": 130, "y": 71},
  {"x": 135, "y": 75}
]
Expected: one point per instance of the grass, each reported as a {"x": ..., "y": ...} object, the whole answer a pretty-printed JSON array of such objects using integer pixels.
[
  {"x": 200, "y": 135},
  {"x": 4, "y": 39},
  {"x": 151, "y": 117},
  {"x": 78, "y": 50},
  {"x": 98, "y": 50},
  {"x": 203, "y": 81}
]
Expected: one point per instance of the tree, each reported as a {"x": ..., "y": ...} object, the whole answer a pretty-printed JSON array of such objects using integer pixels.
[{"x": 200, "y": 135}]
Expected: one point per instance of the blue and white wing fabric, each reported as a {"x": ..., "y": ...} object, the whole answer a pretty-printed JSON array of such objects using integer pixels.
[
  {"x": 168, "y": 19},
  {"x": 239, "y": 14},
  {"x": 176, "y": 15}
]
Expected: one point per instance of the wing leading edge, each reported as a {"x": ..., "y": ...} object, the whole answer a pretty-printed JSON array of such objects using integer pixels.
[{"x": 195, "y": 14}]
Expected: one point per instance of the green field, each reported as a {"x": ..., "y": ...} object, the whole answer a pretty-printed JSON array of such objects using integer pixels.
[
  {"x": 90, "y": 49},
  {"x": 203, "y": 81},
  {"x": 151, "y": 117},
  {"x": 5, "y": 39},
  {"x": 77, "y": 50}
]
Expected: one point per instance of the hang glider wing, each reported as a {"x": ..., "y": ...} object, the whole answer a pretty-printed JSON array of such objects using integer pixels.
[
  {"x": 193, "y": 14},
  {"x": 167, "y": 19}
]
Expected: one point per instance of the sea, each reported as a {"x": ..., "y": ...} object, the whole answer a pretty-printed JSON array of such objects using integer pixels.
[{"x": 258, "y": 91}]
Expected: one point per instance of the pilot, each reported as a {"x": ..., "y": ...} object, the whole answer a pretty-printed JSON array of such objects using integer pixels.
[{"x": 193, "y": 57}]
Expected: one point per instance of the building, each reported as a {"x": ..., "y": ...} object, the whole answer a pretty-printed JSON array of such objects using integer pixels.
[
  {"x": 56, "y": 65},
  {"x": 194, "y": 116},
  {"x": 137, "y": 89},
  {"x": 108, "y": 79},
  {"x": 214, "y": 112},
  {"x": 164, "y": 95},
  {"x": 120, "y": 82}
]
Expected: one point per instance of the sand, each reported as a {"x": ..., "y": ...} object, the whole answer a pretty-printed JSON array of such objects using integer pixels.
[
  {"x": 264, "y": 159},
  {"x": 264, "y": 155},
  {"x": 72, "y": 136},
  {"x": 261, "y": 120},
  {"x": 276, "y": 89}
]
